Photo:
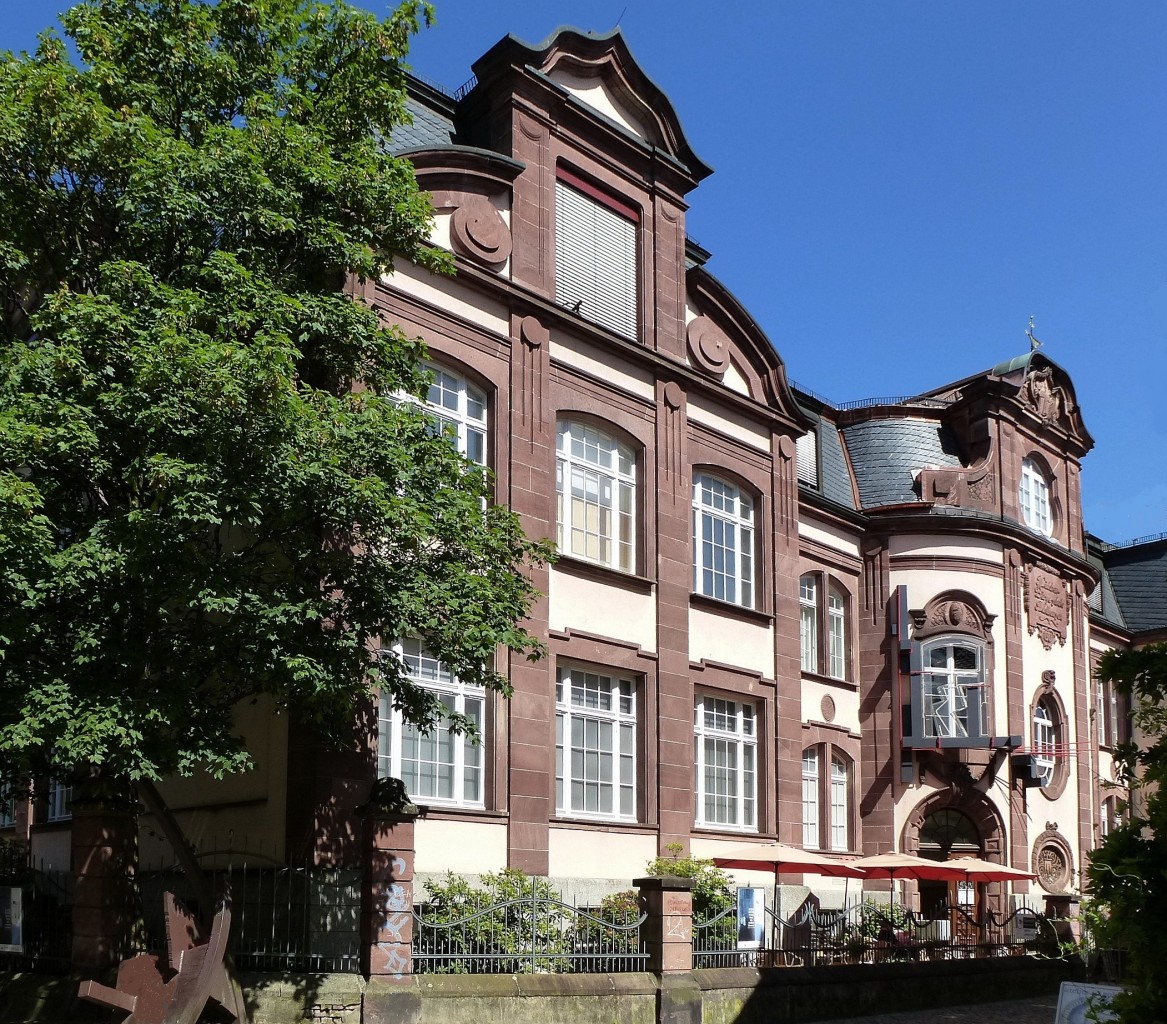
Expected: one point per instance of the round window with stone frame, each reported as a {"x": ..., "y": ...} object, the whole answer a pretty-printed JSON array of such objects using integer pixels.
[{"x": 1047, "y": 744}]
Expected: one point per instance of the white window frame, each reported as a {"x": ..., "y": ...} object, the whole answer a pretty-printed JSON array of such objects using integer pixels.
[
  {"x": 595, "y": 480},
  {"x": 1034, "y": 498},
  {"x": 840, "y": 789},
  {"x": 808, "y": 621},
  {"x": 723, "y": 541},
  {"x": 420, "y": 759},
  {"x": 595, "y": 745},
  {"x": 811, "y": 761},
  {"x": 7, "y": 806},
  {"x": 725, "y": 760},
  {"x": 837, "y": 633},
  {"x": 951, "y": 694},
  {"x": 1045, "y": 741},
  {"x": 461, "y": 408},
  {"x": 58, "y": 801},
  {"x": 595, "y": 260}
]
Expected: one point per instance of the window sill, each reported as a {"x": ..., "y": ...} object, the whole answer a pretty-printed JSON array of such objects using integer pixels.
[
  {"x": 604, "y": 574},
  {"x": 729, "y": 832},
  {"x": 450, "y": 812},
  {"x": 602, "y": 824},
  {"x": 818, "y": 677},
  {"x": 728, "y": 608}
]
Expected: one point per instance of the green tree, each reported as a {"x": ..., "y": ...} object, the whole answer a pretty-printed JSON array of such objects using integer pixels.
[
  {"x": 1128, "y": 872},
  {"x": 210, "y": 486}
]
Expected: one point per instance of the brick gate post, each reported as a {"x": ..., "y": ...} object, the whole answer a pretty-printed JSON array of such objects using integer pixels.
[{"x": 387, "y": 822}]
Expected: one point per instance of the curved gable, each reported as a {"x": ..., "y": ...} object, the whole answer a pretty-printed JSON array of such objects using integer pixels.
[
  {"x": 724, "y": 342},
  {"x": 599, "y": 71}
]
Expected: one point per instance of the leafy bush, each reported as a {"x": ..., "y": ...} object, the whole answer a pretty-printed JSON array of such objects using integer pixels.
[
  {"x": 515, "y": 921},
  {"x": 712, "y": 891}
]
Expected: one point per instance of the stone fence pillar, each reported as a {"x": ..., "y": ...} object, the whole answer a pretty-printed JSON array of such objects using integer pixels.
[
  {"x": 668, "y": 937},
  {"x": 387, "y": 885}
]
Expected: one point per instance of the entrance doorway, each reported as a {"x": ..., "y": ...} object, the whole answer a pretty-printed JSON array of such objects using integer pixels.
[{"x": 946, "y": 834}]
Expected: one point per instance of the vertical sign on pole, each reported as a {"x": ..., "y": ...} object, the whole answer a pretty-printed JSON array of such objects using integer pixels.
[{"x": 751, "y": 918}]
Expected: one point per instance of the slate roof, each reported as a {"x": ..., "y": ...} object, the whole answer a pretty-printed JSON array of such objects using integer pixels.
[
  {"x": 1104, "y": 601},
  {"x": 1138, "y": 574},
  {"x": 886, "y": 454},
  {"x": 834, "y": 474},
  {"x": 430, "y": 129}
]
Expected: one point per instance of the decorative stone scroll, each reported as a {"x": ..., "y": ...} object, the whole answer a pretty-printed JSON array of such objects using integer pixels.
[
  {"x": 708, "y": 346},
  {"x": 974, "y": 487},
  {"x": 478, "y": 231},
  {"x": 1047, "y": 604}
]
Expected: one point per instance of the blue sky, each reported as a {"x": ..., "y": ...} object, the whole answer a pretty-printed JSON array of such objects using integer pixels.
[{"x": 900, "y": 184}]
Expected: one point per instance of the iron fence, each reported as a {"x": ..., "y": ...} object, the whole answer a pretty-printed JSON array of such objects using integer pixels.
[
  {"x": 45, "y": 932},
  {"x": 282, "y": 918},
  {"x": 867, "y": 932},
  {"x": 534, "y": 933}
]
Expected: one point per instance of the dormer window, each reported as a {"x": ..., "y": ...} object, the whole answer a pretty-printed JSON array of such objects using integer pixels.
[
  {"x": 595, "y": 255},
  {"x": 1034, "y": 498}
]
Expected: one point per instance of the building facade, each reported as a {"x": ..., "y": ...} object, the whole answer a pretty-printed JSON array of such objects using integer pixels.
[{"x": 852, "y": 629}]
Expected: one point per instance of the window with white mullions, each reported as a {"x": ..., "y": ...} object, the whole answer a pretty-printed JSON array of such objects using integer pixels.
[
  {"x": 441, "y": 766},
  {"x": 459, "y": 409},
  {"x": 595, "y": 489},
  {"x": 840, "y": 808},
  {"x": 1034, "y": 498},
  {"x": 595, "y": 745},
  {"x": 723, "y": 541},
  {"x": 1045, "y": 742},
  {"x": 808, "y": 628},
  {"x": 725, "y": 763},
  {"x": 59, "y": 802},
  {"x": 837, "y": 634},
  {"x": 953, "y": 691},
  {"x": 810, "y": 798}
]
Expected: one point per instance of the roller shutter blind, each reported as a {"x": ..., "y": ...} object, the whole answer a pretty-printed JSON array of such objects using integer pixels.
[
  {"x": 595, "y": 260},
  {"x": 808, "y": 458}
]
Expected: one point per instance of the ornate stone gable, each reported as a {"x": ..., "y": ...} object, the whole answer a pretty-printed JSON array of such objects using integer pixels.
[
  {"x": 1052, "y": 402},
  {"x": 1047, "y": 603},
  {"x": 951, "y": 613}
]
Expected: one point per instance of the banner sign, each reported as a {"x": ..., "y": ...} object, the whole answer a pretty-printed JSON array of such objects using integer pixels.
[
  {"x": 751, "y": 918},
  {"x": 10, "y": 920}
]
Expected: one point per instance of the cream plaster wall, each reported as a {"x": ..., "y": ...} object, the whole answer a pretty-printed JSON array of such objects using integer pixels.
[
  {"x": 570, "y": 351},
  {"x": 828, "y": 536},
  {"x": 448, "y": 295},
  {"x": 602, "y": 609},
  {"x": 734, "y": 380},
  {"x": 969, "y": 547},
  {"x": 596, "y": 94},
  {"x": 464, "y": 847},
  {"x": 586, "y": 853},
  {"x": 730, "y": 641},
  {"x": 728, "y": 422},
  {"x": 846, "y": 703}
]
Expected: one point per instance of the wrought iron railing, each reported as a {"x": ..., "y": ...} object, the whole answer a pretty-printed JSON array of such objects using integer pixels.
[
  {"x": 283, "y": 918},
  {"x": 533, "y": 933},
  {"x": 873, "y": 933}
]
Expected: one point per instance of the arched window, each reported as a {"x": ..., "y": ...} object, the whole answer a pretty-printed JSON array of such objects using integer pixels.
[
  {"x": 822, "y": 612},
  {"x": 1034, "y": 498},
  {"x": 955, "y": 704},
  {"x": 810, "y": 798},
  {"x": 1045, "y": 741},
  {"x": 826, "y": 798},
  {"x": 723, "y": 541},
  {"x": 595, "y": 489},
  {"x": 460, "y": 408}
]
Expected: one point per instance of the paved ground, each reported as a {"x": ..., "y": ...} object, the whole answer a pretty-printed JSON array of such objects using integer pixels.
[{"x": 1039, "y": 1010}]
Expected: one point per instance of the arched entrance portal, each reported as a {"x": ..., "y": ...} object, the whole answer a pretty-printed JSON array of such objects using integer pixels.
[{"x": 945, "y": 834}]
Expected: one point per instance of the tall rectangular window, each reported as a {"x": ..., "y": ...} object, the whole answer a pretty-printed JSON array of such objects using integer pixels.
[
  {"x": 723, "y": 541},
  {"x": 725, "y": 763},
  {"x": 837, "y": 634},
  {"x": 459, "y": 408},
  {"x": 808, "y": 623},
  {"x": 595, "y": 492},
  {"x": 439, "y": 767},
  {"x": 810, "y": 798},
  {"x": 595, "y": 258},
  {"x": 595, "y": 745},
  {"x": 840, "y": 784},
  {"x": 59, "y": 802},
  {"x": 953, "y": 691}
]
